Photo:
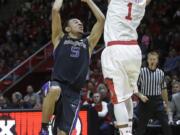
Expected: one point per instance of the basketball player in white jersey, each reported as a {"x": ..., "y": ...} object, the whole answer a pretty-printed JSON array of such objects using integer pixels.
[{"x": 121, "y": 59}]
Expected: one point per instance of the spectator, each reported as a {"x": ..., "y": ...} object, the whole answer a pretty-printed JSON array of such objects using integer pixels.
[
  {"x": 3, "y": 102},
  {"x": 90, "y": 90},
  {"x": 31, "y": 100},
  {"x": 171, "y": 61},
  {"x": 102, "y": 89},
  {"x": 2, "y": 2},
  {"x": 102, "y": 109},
  {"x": 145, "y": 43},
  {"x": 174, "y": 113},
  {"x": 17, "y": 101},
  {"x": 25, "y": 32}
]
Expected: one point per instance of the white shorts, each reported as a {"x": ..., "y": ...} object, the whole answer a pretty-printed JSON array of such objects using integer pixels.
[{"x": 121, "y": 66}]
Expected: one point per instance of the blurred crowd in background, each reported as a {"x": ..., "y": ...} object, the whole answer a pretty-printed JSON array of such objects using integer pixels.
[
  {"x": 3, "y": 2},
  {"x": 29, "y": 29},
  {"x": 23, "y": 34}
]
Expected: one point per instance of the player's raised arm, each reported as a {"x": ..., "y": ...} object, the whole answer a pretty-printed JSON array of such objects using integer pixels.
[
  {"x": 97, "y": 29},
  {"x": 57, "y": 31}
]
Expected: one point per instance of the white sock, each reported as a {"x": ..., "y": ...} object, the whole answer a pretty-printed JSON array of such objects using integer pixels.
[
  {"x": 129, "y": 106},
  {"x": 130, "y": 126}
]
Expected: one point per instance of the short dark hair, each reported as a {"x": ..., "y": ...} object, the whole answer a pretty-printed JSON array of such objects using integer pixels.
[{"x": 66, "y": 21}]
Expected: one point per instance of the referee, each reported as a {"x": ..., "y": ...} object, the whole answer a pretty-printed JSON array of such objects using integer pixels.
[{"x": 152, "y": 94}]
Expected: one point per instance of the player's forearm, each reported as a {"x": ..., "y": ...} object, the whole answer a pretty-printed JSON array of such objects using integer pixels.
[
  {"x": 96, "y": 11},
  {"x": 56, "y": 21}
]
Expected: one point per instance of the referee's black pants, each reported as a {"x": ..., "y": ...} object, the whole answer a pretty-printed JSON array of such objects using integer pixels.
[{"x": 153, "y": 108}]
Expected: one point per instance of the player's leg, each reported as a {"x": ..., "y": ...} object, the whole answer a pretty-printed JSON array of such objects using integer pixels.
[
  {"x": 59, "y": 132},
  {"x": 117, "y": 82},
  {"x": 120, "y": 110},
  {"x": 68, "y": 114},
  {"x": 133, "y": 77},
  {"x": 49, "y": 104},
  {"x": 121, "y": 116},
  {"x": 132, "y": 68},
  {"x": 125, "y": 91},
  {"x": 129, "y": 107}
]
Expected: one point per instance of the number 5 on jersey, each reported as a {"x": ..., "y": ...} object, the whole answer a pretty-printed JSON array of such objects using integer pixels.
[
  {"x": 129, "y": 17},
  {"x": 75, "y": 51}
]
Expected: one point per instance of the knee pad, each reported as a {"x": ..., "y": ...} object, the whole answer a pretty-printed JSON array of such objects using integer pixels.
[{"x": 121, "y": 114}]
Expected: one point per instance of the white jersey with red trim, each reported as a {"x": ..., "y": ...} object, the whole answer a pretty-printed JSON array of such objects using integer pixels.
[{"x": 122, "y": 19}]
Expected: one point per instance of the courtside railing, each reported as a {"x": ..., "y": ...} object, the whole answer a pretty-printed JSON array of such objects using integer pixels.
[{"x": 26, "y": 67}]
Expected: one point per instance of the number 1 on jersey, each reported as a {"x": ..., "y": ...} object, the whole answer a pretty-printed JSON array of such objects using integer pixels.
[{"x": 129, "y": 17}]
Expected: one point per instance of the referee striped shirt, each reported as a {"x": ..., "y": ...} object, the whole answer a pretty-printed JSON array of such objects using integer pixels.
[{"x": 151, "y": 82}]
